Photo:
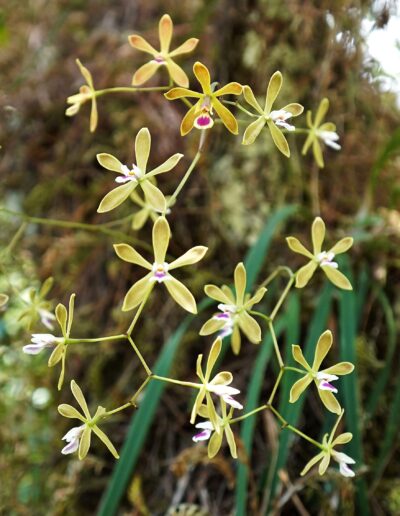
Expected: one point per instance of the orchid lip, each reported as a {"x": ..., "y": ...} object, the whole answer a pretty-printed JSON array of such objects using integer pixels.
[
  {"x": 325, "y": 258},
  {"x": 160, "y": 272},
  {"x": 159, "y": 60},
  {"x": 203, "y": 121}
]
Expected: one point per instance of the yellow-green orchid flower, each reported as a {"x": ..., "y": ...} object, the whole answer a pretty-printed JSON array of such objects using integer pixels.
[
  {"x": 86, "y": 93},
  {"x": 78, "y": 438},
  {"x": 160, "y": 270},
  {"x": 234, "y": 315},
  {"x": 275, "y": 119},
  {"x": 200, "y": 115},
  {"x": 321, "y": 378},
  {"x": 328, "y": 452},
  {"x": 37, "y": 307},
  {"x": 219, "y": 385},
  {"x": 131, "y": 177},
  {"x": 40, "y": 341},
  {"x": 162, "y": 57},
  {"x": 319, "y": 258},
  {"x": 208, "y": 431},
  {"x": 320, "y": 131}
]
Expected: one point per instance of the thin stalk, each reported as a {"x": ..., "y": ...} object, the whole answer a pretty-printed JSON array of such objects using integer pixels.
[
  {"x": 285, "y": 424},
  {"x": 314, "y": 189},
  {"x": 122, "y": 89},
  {"x": 275, "y": 388},
  {"x": 138, "y": 312},
  {"x": 276, "y": 347},
  {"x": 140, "y": 356},
  {"x": 282, "y": 298},
  {"x": 297, "y": 130},
  {"x": 259, "y": 314},
  {"x": 15, "y": 238},
  {"x": 245, "y": 416},
  {"x": 275, "y": 273},
  {"x": 118, "y": 409},
  {"x": 134, "y": 397},
  {"x": 239, "y": 106},
  {"x": 97, "y": 339},
  {"x": 177, "y": 382},
  {"x": 287, "y": 368}
]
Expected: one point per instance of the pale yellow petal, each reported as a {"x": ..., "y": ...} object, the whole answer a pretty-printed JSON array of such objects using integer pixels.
[
  {"x": 342, "y": 246},
  {"x": 250, "y": 99},
  {"x": 166, "y": 166},
  {"x": 279, "y": 139},
  {"x": 144, "y": 73},
  {"x": 299, "y": 357},
  {"x": 296, "y": 246},
  {"x": 78, "y": 395},
  {"x": 253, "y": 130},
  {"x": 211, "y": 326},
  {"x": 324, "y": 344},
  {"x": 203, "y": 76},
  {"x": 192, "y": 256},
  {"x": 109, "y": 162},
  {"x": 274, "y": 87},
  {"x": 141, "y": 44},
  {"x": 84, "y": 443},
  {"x": 250, "y": 327},
  {"x": 129, "y": 254},
  {"x": 340, "y": 369},
  {"x": 177, "y": 73},
  {"x": 165, "y": 29},
  {"x": 213, "y": 356},
  {"x": 214, "y": 444},
  {"x": 226, "y": 116},
  {"x": 232, "y": 88},
  {"x": 311, "y": 463},
  {"x": 142, "y": 148},
  {"x": 178, "y": 93},
  {"x": 94, "y": 116},
  {"x": 330, "y": 402},
  {"x": 337, "y": 278},
  {"x": 216, "y": 293},
  {"x": 68, "y": 411},
  {"x": 317, "y": 234},
  {"x": 324, "y": 464},
  {"x": 321, "y": 111},
  {"x": 181, "y": 294},
  {"x": 304, "y": 274},
  {"x": 186, "y": 47},
  {"x": 161, "y": 236},
  {"x": 317, "y": 151},
  {"x": 137, "y": 293},
  {"x": 299, "y": 387},
  {"x": 116, "y": 197},
  {"x": 240, "y": 283},
  {"x": 236, "y": 340},
  {"x": 342, "y": 439},
  {"x": 103, "y": 437}
]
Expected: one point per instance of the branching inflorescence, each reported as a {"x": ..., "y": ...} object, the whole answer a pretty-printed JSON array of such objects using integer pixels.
[{"x": 216, "y": 401}]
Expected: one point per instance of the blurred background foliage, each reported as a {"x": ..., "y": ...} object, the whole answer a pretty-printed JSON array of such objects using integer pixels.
[{"x": 48, "y": 170}]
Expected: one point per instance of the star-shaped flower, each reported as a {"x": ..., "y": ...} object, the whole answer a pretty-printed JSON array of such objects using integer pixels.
[
  {"x": 323, "y": 378},
  {"x": 319, "y": 258},
  {"x": 131, "y": 177},
  {"x": 234, "y": 315},
  {"x": 328, "y": 452},
  {"x": 219, "y": 385},
  {"x": 162, "y": 57},
  {"x": 200, "y": 115},
  {"x": 275, "y": 119},
  {"x": 208, "y": 431},
  {"x": 37, "y": 307},
  {"x": 160, "y": 270},
  {"x": 41, "y": 341},
  {"x": 320, "y": 131},
  {"x": 86, "y": 93},
  {"x": 79, "y": 437}
]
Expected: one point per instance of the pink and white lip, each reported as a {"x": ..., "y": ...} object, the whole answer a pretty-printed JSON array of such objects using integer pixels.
[
  {"x": 129, "y": 174},
  {"x": 226, "y": 393},
  {"x": 204, "y": 121},
  {"x": 160, "y": 272},
  {"x": 39, "y": 342},
  {"x": 344, "y": 461},
  {"x": 324, "y": 380},
  {"x": 47, "y": 318},
  {"x": 326, "y": 259},
  {"x": 330, "y": 138},
  {"x": 280, "y": 116},
  {"x": 72, "y": 437},
  {"x": 205, "y": 433},
  {"x": 159, "y": 60}
]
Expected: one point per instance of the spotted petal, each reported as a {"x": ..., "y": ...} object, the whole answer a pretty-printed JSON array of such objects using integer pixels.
[{"x": 181, "y": 294}]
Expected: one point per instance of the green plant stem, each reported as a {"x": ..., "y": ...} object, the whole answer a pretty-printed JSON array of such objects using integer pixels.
[
  {"x": 100, "y": 228},
  {"x": 286, "y": 368},
  {"x": 134, "y": 397},
  {"x": 182, "y": 183},
  {"x": 259, "y": 314},
  {"x": 118, "y": 409},
  {"x": 122, "y": 89},
  {"x": 15, "y": 239},
  {"x": 282, "y": 298},
  {"x": 239, "y": 106},
  {"x": 186, "y": 102},
  {"x": 177, "y": 382},
  {"x": 285, "y": 424},
  {"x": 245, "y": 416},
  {"x": 138, "y": 312},
  {"x": 276, "y": 347},
  {"x": 275, "y": 273},
  {"x": 98, "y": 339},
  {"x": 140, "y": 356},
  {"x": 275, "y": 388}
]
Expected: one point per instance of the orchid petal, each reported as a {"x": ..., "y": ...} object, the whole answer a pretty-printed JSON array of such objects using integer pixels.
[
  {"x": 305, "y": 273},
  {"x": 342, "y": 439},
  {"x": 324, "y": 344},
  {"x": 142, "y": 148},
  {"x": 321, "y": 111},
  {"x": 299, "y": 357},
  {"x": 109, "y": 162},
  {"x": 299, "y": 387},
  {"x": 194, "y": 255},
  {"x": 253, "y": 130},
  {"x": 129, "y": 254},
  {"x": 186, "y": 47},
  {"x": 274, "y": 87},
  {"x": 211, "y": 326},
  {"x": 165, "y": 29},
  {"x": 103, "y": 437},
  {"x": 250, "y": 99},
  {"x": 69, "y": 411},
  {"x": 256, "y": 298},
  {"x": 318, "y": 153},
  {"x": 232, "y": 88},
  {"x": 340, "y": 369},
  {"x": 137, "y": 293},
  {"x": 294, "y": 108},
  {"x": 342, "y": 246},
  {"x": 226, "y": 116},
  {"x": 311, "y": 463},
  {"x": 141, "y": 44},
  {"x": 216, "y": 293},
  {"x": 86, "y": 74},
  {"x": 94, "y": 116},
  {"x": 236, "y": 340},
  {"x": 154, "y": 196},
  {"x": 161, "y": 236},
  {"x": 213, "y": 356},
  {"x": 203, "y": 76},
  {"x": 78, "y": 395},
  {"x": 240, "y": 283},
  {"x": 178, "y": 93},
  {"x": 330, "y": 402},
  {"x": 84, "y": 443},
  {"x": 166, "y": 166},
  {"x": 181, "y": 294},
  {"x": 279, "y": 139},
  {"x": 337, "y": 278},
  {"x": 296, "y": 246},
  {"x": 145, "y": 72},
  {"x": 214, "y": 445},
  {"x": 324, "y": 464},
  {"x": 177, "y": 73},
  {"x": 116, "y": 197},
  {"x": 188, "y": 120},
  {"x": 231, "y": 441},
  {"x": 250, "y": 327}
]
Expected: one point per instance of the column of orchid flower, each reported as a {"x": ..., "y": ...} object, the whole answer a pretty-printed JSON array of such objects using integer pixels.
[{"x": 215, "y": 401}]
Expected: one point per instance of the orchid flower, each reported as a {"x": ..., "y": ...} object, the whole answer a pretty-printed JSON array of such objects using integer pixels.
[
  {"x": 160, "y": 270},
  {"x": 323, "y": 379},
  {"x": 37, "y": 307},
  {"x": 328, "y": 452},
  {"x": 146, "y": 211},
  {"x": 275, "y": 119},
  {"x": 200, "y": 115},
  {"x": 319, "y": 258},
  {"x": 325, "y": 132},
  {"x": 131, "y": 177},
  {"x": 219, "y": 385},
  {"x": 78, "y": 438},
  {"x": 86, "y": 93},
  {"x": 162, "y": 57},
  {"x": 208, "y": 432},
  {"x": 40, "y": 341},
  {"x": 234, "y": 311}
]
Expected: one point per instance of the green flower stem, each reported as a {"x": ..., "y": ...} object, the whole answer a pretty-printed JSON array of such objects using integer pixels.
[
  {"x": 285, "y": 424},
  {"x": 177, "y": 382},
  {"x": 187, "y": 102},
  {"x": 259, "y": 314},
  {"x": 286, "y": 368},
  {"x": 138, "y": 312},
  {"x": 173, "y": 197},
  {"x": 134, "y": 397},
  {"x": 99, "y": 93},
  {"x": 140, "y": 356},
  {"x": 276, "y": 347},
  {"x": 275, "y": 388},
  {"x": 97, "y": 339},
  {"x": 21, "y": 230},
  {"x": 283, "y": 297},
  {"x": 118, "y": 409},
  {"x": 239, "y": 106},
  {"x": 279, "y": 270},
  {"x": 314, "y": 189},
  {"x": 100, "y": 228},
  {"x": 245, "y": 416}
]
